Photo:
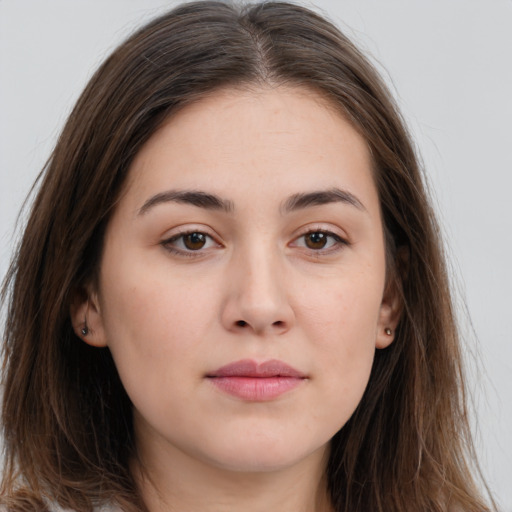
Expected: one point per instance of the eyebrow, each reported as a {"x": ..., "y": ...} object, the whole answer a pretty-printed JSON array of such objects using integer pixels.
[
  {"x": 213, "y": 202},
  {"x": 317, "y": 198},
  {"x": 192, "y": 197}
]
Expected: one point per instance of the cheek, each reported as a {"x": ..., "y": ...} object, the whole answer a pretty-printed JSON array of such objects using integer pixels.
[
  {"x": 343, "y": 316},
  {"x": 144, "y": 297},
  {"x": 343, "y": 325},
  {"x": 155, "y": 326}
]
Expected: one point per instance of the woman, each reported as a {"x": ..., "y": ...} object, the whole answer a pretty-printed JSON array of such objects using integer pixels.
[{"x": 234, "y": 286}]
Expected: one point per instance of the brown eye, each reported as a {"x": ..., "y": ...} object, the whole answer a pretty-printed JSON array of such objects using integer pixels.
[
  {"x": 316, "y": 240},
  {"x": 194, "y": 241},
  {"x": 320, "y": 242}
]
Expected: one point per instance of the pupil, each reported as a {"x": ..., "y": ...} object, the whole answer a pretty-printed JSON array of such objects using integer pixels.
[
  {"x": 316, "y": 240},
  {"x": 194, "y": 241}
]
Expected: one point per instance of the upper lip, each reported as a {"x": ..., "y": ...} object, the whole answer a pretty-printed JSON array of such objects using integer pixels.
[{"x": 251, "y": 368}]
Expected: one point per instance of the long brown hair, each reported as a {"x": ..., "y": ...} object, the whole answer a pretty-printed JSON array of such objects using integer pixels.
[{"x": 67, "y": 420}]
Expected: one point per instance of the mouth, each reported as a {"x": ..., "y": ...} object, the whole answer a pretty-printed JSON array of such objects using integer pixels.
[{"x": 258, "y": 382}]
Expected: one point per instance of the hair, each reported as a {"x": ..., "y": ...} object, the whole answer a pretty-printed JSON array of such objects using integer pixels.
[{"x": 67, "y": 420}]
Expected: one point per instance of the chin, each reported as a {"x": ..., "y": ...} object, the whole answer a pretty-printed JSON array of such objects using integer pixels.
[{"x": 264, "y": 458}]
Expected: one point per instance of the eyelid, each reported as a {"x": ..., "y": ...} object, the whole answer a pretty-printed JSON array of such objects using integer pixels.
[
  {"x": 340, "y": 239},
  {"x": 182, "y": 231},
  {"x": 322, "y": 227}
]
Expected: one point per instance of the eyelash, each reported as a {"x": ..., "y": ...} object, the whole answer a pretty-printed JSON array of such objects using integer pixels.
[
  {"x": 187, "y": 253},
  {"x": 337, "y": 243}
]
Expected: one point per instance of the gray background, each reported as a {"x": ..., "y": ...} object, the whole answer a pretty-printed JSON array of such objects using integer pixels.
[{"x": 449, "y": 63}]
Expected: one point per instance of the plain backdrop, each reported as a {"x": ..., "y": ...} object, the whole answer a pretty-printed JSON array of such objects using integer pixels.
[{"x": 448, "y": 63}]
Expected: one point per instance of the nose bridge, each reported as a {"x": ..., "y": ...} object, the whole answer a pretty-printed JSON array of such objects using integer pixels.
[
  {"x": 261, "y": 285},
  {"x": 258, "y": 297}
]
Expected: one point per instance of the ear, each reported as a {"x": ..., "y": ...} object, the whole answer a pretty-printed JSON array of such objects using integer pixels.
[
  {"x": 392, "y": 301},
  {"x": 86, "y": 317}
]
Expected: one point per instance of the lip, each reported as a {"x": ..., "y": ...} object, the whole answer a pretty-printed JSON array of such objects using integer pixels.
[{"x": 258, "y": 382}]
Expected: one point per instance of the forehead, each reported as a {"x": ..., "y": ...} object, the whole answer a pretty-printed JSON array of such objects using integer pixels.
[{"x": 253, "y": 139}]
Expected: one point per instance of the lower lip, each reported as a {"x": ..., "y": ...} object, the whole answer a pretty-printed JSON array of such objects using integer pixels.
[{"x": 256, "y": 389}]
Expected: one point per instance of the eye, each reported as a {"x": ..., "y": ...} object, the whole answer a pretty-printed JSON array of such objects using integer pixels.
[
  {"x": 319, "y": 240},
  {"x": 192, "y": 241},
  {"x": 316, "y": 240}
]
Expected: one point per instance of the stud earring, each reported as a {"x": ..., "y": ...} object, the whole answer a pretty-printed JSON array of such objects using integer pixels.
[
  {"x": 388, "y": 331},
  {"x": 85, "y": 328}
]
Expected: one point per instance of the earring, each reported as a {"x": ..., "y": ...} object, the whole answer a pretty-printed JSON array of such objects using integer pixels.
[
  {"x": 388, "y": 331},
  {"x": 85, "y": 328}
]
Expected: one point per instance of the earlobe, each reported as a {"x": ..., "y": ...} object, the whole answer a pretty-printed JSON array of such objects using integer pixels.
[
  {"x": 86, "y": 318},
  {"x": 388, "y": 321},
  {"x": 389, "y": 315},
  {"x": 392, "y": 301},
  {"x": 386, "y": 328}
]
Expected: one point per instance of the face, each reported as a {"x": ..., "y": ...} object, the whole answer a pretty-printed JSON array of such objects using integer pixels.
[{"x": 242, "y": 283}]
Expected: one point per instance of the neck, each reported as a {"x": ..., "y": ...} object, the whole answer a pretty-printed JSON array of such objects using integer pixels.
[{"x": 180, "y": 483}]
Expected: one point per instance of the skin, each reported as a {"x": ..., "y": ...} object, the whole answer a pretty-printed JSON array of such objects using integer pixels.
[{"x": 259, "y": 289}]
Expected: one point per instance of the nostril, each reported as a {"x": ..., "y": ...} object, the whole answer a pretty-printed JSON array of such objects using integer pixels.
[
  {"x": 279, "y": 323},
  {"x": 241, "y": 323}
]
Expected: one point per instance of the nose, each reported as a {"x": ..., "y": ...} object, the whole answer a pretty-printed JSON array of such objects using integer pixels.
[{"x": 257, "y": 300}]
